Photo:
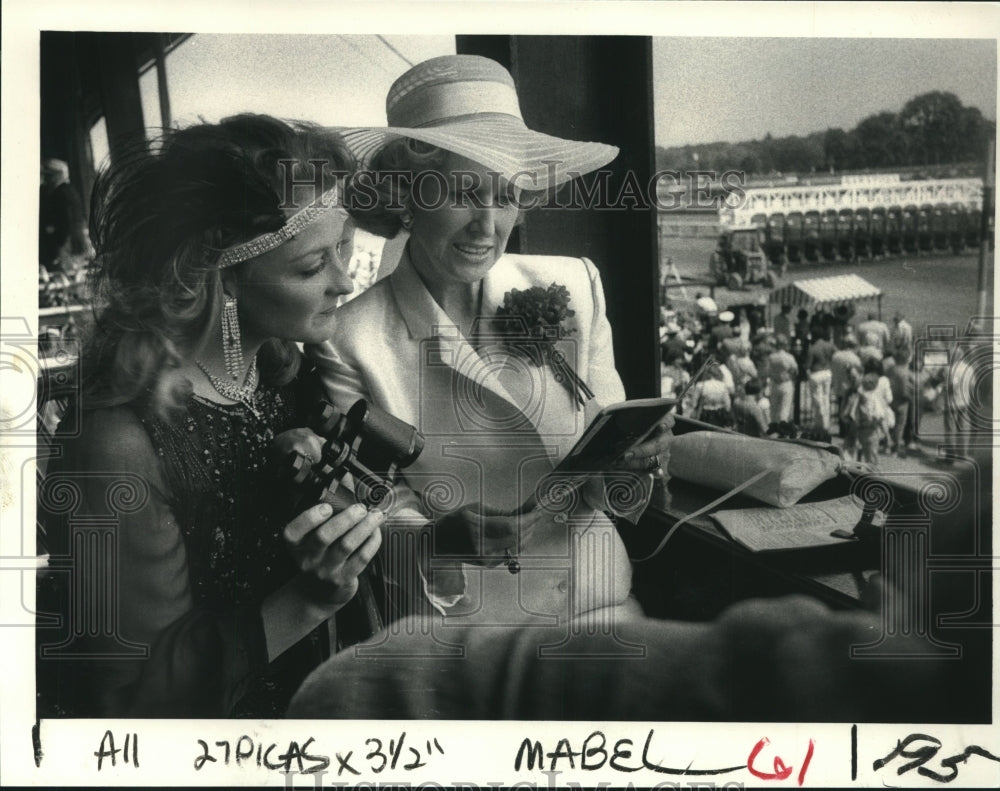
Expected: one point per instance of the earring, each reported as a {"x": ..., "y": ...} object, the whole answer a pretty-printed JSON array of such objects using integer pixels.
[
  {"x": 232, "y": 349},
  {"x": 406, "y": 219}
]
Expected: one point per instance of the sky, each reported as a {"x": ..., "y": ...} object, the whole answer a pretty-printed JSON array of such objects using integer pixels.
[
  {"x": 705, "y": 89},
  {"x": 339, "y": 80},
  {"x": 335, "y": 80},
  {"x": 712, "y": 89}
]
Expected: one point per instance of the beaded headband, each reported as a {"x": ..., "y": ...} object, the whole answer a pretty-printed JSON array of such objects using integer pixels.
[{"x": 293, "y": 226}]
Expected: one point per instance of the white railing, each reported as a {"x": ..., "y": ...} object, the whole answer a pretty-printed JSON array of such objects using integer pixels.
[{"x": 770, "y": 200}]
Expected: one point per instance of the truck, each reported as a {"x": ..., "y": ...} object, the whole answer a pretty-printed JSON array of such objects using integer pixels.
[{"x": 739, "y": 259}]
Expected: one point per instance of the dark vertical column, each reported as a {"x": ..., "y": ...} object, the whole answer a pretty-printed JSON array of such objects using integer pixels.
[
  {"x": 496, "y": 47},
  {"x": 159, "y": 53},
  {"x": 63, "y": 133},
  {"x": 118, "y": 77},
  {"x": 597, "y": 88}
]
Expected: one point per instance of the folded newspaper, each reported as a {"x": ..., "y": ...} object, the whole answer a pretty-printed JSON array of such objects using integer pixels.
[{"x": 799, "y": 526}]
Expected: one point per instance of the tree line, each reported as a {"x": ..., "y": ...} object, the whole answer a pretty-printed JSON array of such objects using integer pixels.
[{"x": 932, "y": 130}]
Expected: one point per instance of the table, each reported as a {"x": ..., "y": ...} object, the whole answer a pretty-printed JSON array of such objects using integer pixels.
[{"x": 933, "y": 555}]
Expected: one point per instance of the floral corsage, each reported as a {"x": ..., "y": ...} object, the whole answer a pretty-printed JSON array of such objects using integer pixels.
[{"x": 531, "y": 323}]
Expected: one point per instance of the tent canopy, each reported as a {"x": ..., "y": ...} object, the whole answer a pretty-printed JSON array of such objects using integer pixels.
[{"x": 826, "y": 292}]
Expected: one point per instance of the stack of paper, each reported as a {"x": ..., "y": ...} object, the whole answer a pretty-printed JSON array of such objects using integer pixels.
[{"x": 797, "y": 527}]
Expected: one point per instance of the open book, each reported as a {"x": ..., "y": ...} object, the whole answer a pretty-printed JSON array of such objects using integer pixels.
[{"x": 799, "y": 526}]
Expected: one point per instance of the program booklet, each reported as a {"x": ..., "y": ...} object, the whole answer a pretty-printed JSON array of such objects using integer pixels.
[
  {"x": 612, "y": 432},
  {"x": 800, "y": 526}
]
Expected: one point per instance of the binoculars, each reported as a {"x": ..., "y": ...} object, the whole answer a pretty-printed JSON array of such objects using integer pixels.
[
  {"x": 368, "y": 443},
  {"x": 372, "y": 447}
]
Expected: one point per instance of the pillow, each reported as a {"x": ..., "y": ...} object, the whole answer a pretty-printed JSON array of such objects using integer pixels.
[{"x": 724, "y": 461}]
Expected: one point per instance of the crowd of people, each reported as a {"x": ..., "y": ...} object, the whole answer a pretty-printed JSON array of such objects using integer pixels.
[{"x": 826, "y": 376}]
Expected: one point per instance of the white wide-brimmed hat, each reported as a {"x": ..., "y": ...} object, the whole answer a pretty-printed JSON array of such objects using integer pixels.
[{"x": 468, "y": 105}]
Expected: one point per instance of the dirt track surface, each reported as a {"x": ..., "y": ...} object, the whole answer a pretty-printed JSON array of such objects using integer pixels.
[{"x": 929, "y": 289}]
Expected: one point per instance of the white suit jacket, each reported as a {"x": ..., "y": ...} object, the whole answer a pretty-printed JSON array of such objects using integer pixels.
[
  {"x": 397, "y": 348},
  {"x": 493, "y": 425}
]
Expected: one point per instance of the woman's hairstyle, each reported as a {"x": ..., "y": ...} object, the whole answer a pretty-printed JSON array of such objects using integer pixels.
[
  {"x": 667, "y": 355},
  {"x": 671, "y": 356},
  {"x": 872, "y": 365},
  {"x": 160, "y": 217},
  {"x": 377, "y": 198}
]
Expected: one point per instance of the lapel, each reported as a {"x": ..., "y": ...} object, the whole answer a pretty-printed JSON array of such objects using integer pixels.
[
  {"x": 554, "y": 416},
  {"x": 475, "y": 429},
  {"x": 425, "y": 319},
  {"x": 498, "y": 281}
]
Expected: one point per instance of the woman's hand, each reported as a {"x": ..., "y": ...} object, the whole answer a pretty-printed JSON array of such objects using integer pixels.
[
  {"x": 334, "y": 549},
  {"x": 653, "y": 454},
  {"x": 301, "y": 440},
  {"x": 485, "y": 535}
]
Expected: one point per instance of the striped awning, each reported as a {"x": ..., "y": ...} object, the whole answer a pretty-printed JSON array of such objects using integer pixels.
[{"x": 822, "y": 292}]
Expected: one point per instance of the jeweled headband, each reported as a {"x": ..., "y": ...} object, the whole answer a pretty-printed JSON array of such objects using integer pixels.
[{"x": 292, "y": 227}]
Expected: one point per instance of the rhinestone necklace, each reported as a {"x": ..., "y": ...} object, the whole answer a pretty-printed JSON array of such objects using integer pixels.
[{"x": 244, "y": 394}]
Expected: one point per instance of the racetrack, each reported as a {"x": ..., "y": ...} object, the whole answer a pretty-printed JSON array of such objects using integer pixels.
[{"x": 929, "y": 289}]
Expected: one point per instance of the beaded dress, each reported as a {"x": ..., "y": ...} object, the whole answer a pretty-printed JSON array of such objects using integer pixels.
[{"x": 195, "y": 563}]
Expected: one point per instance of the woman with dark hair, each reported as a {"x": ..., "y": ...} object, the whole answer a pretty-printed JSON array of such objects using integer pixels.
[
  {"x": 217, "y": 253},
  {"x": 501, "y": 360}
]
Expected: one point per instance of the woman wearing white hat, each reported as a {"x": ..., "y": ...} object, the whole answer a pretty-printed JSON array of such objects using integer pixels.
[{"x": 500, "y": 360}]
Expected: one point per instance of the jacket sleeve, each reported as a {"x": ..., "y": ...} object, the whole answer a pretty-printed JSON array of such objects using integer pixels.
[
  {"x": 344, "y": 383},
  {"x": 160, "y": 655}
]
